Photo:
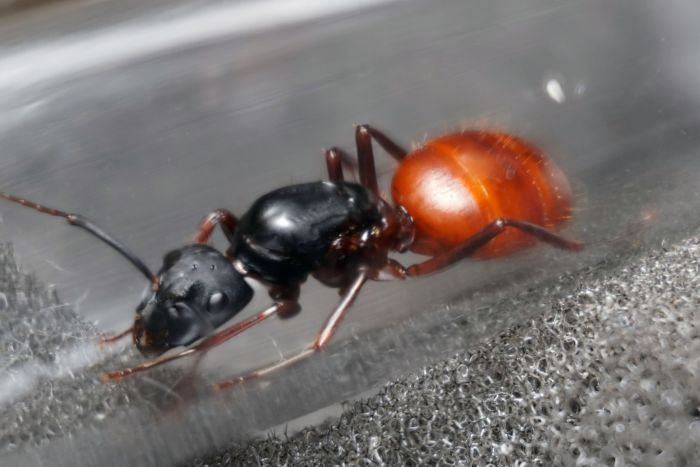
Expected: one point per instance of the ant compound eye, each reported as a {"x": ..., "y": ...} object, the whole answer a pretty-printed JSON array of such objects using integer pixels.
[
  {"x": 217, "y": 301},
  {"x": 173, "y": 312}
]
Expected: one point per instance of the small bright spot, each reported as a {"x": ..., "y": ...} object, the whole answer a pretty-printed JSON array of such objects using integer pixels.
[
  {"x": 283, "y": 222},
  {"x": 506, "y": 448},
  {"x": 555, "y": 91}
]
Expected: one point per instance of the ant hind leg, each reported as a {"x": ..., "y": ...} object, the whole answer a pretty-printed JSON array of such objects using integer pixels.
[{"x": 476, "y": 241}]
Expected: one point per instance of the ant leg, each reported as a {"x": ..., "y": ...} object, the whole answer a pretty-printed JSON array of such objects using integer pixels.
[
  {"x": 111, "y": 339},
  {"x": 390, "y": 146},
  {"x": 211, "y": 341},
  {"x": 206, "y": 227},
  {"x": 365, "y": 155},
  {"x": 321, "y": 340},
  {"x": 365, "y": 158},
  {"x": 392, "y": 270},
  {"x": 478, "y": 240},
  {"x": 336, "y": 158},
  {"x": 334, "y": 164}
]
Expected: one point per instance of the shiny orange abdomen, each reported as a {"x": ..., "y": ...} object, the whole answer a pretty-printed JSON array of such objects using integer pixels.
[{"x": 454, "y": 185}]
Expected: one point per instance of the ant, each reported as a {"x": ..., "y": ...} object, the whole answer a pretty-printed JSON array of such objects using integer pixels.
[{"x": 480, "y": 193}]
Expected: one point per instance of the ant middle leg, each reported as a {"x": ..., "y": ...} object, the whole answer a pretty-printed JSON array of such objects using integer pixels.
[
  {"x": 336, "y": 158},
  {"x": 322, "y": 338},
  {"x": 365, "y": 154},
  {"x": 222, "y": 217},
  {"x": 392, "y": 148}
]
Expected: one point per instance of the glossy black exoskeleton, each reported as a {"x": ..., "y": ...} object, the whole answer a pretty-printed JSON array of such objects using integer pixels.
[
  {"x": 338, "y": 231},
  {"x": 288, "y": 233},
  {"x": 199, "y": 291}
]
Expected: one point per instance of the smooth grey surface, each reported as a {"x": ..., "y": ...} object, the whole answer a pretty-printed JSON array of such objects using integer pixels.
[{"x": 128, "y": 113}]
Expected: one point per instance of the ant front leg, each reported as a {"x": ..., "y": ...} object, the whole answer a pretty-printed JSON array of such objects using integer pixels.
[
  {"x": 206, "y": 227},
  {"x": 282, "y": 308},
  {"x": 112, "y": 339},
  {"x": 322, "y": 338},
  {"x": 473, "y": 243}
]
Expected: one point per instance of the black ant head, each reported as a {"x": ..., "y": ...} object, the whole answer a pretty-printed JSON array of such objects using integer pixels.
[{"x": 198, "y": 290}]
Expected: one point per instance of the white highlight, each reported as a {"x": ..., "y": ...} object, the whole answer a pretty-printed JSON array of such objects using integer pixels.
[
  {"x": 555, "y": 91},
  {"x": 448, "y": 194},
  {"x": 140, "y": 38}
]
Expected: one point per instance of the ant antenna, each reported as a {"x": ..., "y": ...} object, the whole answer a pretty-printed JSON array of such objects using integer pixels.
[{"x": 80, "y": 221}]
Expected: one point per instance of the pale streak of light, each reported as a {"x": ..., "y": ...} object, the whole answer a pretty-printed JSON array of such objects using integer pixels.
[
  {"x": 163, "y": 387},
  {"x": 79, "y": 301},
  {"x": 86, "y": 51},
  {"x": 19, "y": 382},
  {"x": 55, "y": 265},
  {"x": 274, "y": 343}
]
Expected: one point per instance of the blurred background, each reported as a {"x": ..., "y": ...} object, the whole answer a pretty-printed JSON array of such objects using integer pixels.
[{"x": 146, "y": 115}]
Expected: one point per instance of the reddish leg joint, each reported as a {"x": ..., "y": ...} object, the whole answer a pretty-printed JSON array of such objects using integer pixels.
[
  {"x": 323, "y": 337},
  {"x": 111, "y": 339},
  {"x": 207, "y": 225}
]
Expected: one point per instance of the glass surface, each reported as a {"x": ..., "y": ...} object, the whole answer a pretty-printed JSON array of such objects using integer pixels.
[{"x": 144, "y": 118}]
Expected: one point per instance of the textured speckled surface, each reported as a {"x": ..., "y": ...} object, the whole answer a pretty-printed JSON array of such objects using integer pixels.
[
  {"x": 606, "y": 375},
  {"x": 45, "y": 345},
  {"x": 609, "y": 376}
]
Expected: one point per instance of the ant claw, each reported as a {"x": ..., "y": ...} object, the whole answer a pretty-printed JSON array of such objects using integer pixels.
[
  {"x": 104, "y": 340},
  {"x": 228, "y": 384}
]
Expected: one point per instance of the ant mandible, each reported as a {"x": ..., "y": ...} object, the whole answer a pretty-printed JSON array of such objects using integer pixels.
[{"x": 473, "y": 193}]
